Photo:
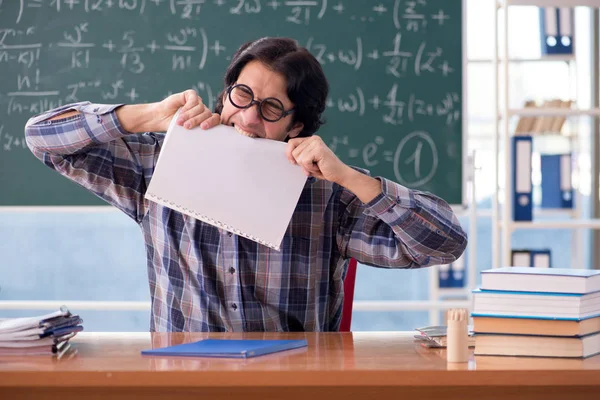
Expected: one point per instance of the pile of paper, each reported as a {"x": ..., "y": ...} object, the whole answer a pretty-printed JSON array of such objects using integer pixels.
[
  {"x": 435, "y": 336},
  {"x": 47, "y": 334}
]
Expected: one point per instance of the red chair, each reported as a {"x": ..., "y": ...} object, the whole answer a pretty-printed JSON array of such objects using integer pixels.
[{"x": 348, "y": 296}]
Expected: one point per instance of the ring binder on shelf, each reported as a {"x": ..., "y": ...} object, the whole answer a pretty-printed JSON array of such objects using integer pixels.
[
  {"x": 556, "y": 25},
  {"x": 531, "y": 258},
  {"x": 557, "y": 189},
  {"x": 452, "y": 275},
  {"x": 521, "y": 168}
]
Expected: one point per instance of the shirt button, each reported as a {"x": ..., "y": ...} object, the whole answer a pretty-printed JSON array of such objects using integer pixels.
[
  {"x": 229, "y": 234},
  {"x": 398, "y": 200},
  {"x": 232, "y": 270},
  {"x": 234, "y": 306}
]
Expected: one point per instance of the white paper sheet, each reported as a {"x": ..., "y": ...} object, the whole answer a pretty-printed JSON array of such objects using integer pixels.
[
  {"x": 243, "y": 185},
  {"x": 11, "y": 325}
]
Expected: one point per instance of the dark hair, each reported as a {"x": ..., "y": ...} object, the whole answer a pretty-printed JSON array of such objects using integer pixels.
[{"x": 307, "y": 86}]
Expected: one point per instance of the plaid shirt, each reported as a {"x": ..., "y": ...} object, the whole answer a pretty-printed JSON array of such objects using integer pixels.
[{"x": 205, "y": 279}]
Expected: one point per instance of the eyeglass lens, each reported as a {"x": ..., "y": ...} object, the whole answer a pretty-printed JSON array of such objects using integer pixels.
[{"x": 270, "y": 108}]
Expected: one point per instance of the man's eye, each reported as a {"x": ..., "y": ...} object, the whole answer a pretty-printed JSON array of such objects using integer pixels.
[
  {"x": 242, "y": 95},
  {"x": 270, "y": 111}
]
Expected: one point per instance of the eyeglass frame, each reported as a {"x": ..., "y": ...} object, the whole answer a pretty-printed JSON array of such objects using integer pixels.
[{"x": 259, "y": 103}]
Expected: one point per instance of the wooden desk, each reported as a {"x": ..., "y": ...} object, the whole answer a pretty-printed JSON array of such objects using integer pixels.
[{"x": 335, "y": 365}]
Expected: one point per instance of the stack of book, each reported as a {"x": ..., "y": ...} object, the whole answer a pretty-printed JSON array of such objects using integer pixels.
[
  {"x": 545, "y": 312},
  {"x": 47, "y": 334}
]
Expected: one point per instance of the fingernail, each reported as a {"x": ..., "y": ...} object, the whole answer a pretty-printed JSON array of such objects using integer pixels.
[
  {"x": 187, "y": 125},
  {"x": 204, "y": 126},
  {"x": 179, "y": 121}
]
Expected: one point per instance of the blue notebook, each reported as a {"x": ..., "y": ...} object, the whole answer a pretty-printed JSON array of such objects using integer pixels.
[{"x": 232, "y": 348}]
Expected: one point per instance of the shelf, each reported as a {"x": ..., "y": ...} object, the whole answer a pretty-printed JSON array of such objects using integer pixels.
[
  {"x": 537, "y": 212},
  {"x": 553, "y": 3},
  {"x": 548, "y": 58},
  {"x": 404, "y": 305},
  {"x": 564, "y": 224},
  {"x": 540, "y": 111},
  {"x": 454, "y": 291},
  {"x": 504, "y": 225}
]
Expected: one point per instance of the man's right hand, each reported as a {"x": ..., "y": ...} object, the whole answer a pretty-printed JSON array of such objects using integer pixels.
[
  {"x": 156, "y": 117},
  {"x": 193, "y": 112}
]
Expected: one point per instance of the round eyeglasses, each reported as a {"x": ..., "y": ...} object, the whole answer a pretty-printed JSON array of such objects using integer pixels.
[{"x": 270, "y": 109}]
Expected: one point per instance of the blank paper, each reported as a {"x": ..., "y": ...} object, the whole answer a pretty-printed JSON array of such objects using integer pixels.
[{"x": 244, "y": 185}]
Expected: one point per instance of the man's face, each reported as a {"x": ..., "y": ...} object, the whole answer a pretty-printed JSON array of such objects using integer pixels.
[{"x": 264, "y": 83}]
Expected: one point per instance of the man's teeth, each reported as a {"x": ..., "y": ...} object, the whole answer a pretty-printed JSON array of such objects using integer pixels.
[{"x": 243, "y": 132}]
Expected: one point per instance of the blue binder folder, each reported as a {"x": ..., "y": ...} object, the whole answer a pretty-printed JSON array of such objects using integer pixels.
[
  {"x": 557, "y": 190},
  {"x": 231, "y": 348},
  {"x": 556, "y": 25},
  {"x": 521, "y": 173},
  {"x": 452, "y": 275}
]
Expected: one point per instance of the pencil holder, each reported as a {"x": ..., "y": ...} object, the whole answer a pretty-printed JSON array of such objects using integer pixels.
[{"x": 457, "y": 336}]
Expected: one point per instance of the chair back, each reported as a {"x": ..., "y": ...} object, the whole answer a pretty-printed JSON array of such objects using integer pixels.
[{"x": 348, "y": 296}]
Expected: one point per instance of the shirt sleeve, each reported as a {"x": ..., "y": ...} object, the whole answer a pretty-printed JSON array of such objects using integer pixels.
[
  {"x": 400, "y": 228},
  {"x": 93, "y": 150}
]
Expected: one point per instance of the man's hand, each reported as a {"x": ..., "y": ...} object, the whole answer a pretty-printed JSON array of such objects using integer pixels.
[
  {"x": 316, "y": 159},
  {"x": 156, "y": 117},
  {"x": 193, "y": 111}
]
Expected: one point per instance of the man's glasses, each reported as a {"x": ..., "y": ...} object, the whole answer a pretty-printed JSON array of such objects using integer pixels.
[{"x": 270, "y": 109}]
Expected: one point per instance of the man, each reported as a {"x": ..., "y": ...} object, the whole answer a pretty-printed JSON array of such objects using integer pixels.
[{"x": 206, "y": 279}]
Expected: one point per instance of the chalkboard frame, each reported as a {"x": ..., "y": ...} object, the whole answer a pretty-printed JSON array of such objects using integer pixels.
[{"x": 464, "y": 112}]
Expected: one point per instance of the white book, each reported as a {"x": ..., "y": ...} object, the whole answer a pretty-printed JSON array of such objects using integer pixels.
[
  {"x": 537, "y": 346},
  {"x": 526, "y": 279},
  {"x": 244, "y": 185},
  {"x": 539, "y": 305}
]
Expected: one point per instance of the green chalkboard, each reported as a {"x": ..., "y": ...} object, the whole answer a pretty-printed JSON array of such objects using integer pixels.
[{"x": 395, "y": 68}]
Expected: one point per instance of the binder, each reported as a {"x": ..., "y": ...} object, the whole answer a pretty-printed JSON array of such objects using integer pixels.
[
  {"x": 521, "y": 174},
  {"x": 557, "y": 188},
  {"x": 452, "y": 275},
  {"x": 539, "y": 258},
  {"x": 444, "y": 276},
  {"x": 556, "y": 30},
  {"x": 520, "y": 258},
  {"x": 229, "y": 348}
]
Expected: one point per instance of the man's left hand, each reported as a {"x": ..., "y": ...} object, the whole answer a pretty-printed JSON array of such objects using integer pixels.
[{"x": 316, "y": 159}]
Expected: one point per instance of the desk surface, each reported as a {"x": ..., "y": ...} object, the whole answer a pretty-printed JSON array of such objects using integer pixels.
[{"x": 353, "y": 361}]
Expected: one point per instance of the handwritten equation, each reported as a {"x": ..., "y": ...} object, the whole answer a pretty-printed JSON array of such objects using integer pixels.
[
  {"x": 395, "y": 110},
  {"x": 188, "y": 49},
  {"x": 411, "y": 16},
  {"x": 11, "y": 141},
  {"x": 406, "y": 157}
]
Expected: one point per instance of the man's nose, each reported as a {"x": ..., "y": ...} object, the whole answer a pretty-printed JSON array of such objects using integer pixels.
[{"x": 251, "y": 115}]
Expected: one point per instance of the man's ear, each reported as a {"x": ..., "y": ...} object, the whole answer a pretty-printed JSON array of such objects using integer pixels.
[{"x": 295, "y": 130}]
